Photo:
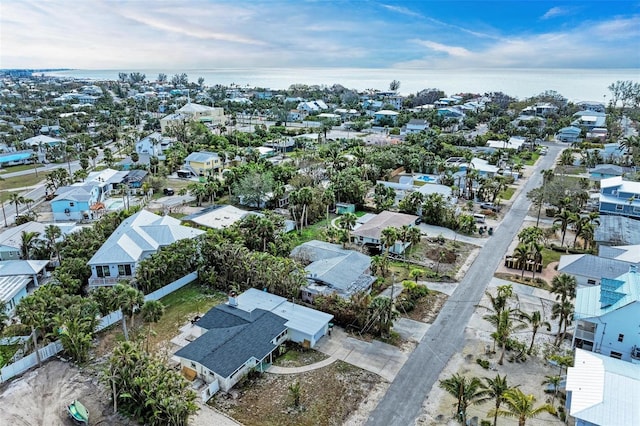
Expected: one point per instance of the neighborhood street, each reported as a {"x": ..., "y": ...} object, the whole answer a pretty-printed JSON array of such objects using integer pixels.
[{"x": 402, "y": 403}]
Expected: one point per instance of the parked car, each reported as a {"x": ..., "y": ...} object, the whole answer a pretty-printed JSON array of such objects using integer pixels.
[
  {"x": 489, "y": 206},
  {"x": 168, "y": 191}
]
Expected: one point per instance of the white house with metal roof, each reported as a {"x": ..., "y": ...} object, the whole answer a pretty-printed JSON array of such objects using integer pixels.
[
  {"x": 608, "y": 317},
  {"x": 138, "y": 237},
  {"x": 16, "y": 276},
  {"x": 603, "y": 391}
]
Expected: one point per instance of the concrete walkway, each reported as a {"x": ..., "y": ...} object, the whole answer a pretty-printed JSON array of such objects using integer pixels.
[{"x": 274, "y": 369}]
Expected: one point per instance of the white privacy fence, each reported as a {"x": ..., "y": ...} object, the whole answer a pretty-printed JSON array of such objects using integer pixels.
[{"x": 29, "y": 361}]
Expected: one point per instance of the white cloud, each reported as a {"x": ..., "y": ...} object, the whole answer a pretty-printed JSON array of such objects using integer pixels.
[
  {"x": 402, "y": 10},
  {"x": 455, "y": 51},
  {"x": 585, "y": 46},
  {"x": 555, "y": 11}
]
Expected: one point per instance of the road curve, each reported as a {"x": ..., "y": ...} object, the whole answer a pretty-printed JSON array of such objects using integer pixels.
[{"x": 403, "y": 401}]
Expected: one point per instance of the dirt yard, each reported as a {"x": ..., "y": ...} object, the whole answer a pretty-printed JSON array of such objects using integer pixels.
[
  {"x": 329, "y": 396},
  {"x": 41, "y": 395}
]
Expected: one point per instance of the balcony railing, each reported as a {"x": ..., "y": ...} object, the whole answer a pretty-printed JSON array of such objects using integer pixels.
[
  {"x": 584, "y": 335},
  {"x": 108, "y": 281}
]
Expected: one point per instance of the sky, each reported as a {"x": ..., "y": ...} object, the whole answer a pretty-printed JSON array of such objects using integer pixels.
[{"x": 205, "y": 34}]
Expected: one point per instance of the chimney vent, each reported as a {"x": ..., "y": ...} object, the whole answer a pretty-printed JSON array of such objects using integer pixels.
[{"x": 233, "y": 299}]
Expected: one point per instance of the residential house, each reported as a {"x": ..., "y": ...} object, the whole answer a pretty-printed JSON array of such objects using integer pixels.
[
  {"x": 347, "y": 114},
  {"x": 599, "y": 133},
  {"x": 482, "y": 166},
  {"x": 332, "y": 269},
  {"x": 11, "y": 239},
  {"x": 452, "y": 113},
  {"x": 416, "y": 126},
  {"x": 244, "y": 333},
  {"x": 193, "y": 112},
  {"x": 312, "y": 106},
  {"x": 589, "y": 270},
  {"x": 620, "y": 197},
  {"x": 154, "y": 145},
  {"x": 605, "y": 317},
  {"x": 603, "y": 391},
  {"x": 540, "y": 110},
  {"x": 75, "y": 202},
  {"x": 591, "y": 106},
  {"x": 616, "y": 231},
  {"x": 16, "y": 277},
  {"x": 138, "y": 237},
  {"x": 203, "y": 163},
  {"x": 589, "y": 120},
  {"x": 135, "y": 178},
  {"x": 16, "y": 157},
  {"x": 514, "y": 142},
  {"x": 605, "y": 171},
  {"x": 385, "y": 116},
  {"x": 569, "y": 134},
  {"x": 297, "y": 115},
  {"x": 370, "y": 233},
  {"x": 217, "y": 217}
]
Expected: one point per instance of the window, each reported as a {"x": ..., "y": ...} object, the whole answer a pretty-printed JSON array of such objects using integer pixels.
[
  {"x": 103, "y": 271},
  {"x": 72, "y": 204},
  {"x": 193, "y": 365},
  {"x": 636, "y": 209},
  {"x": 591, "y": 282},
  {"x": 620, "y": 337},
  {"x": 619, "y": 207},
  {"x": 124, "y": 270},
  {"x": 616, "y": 355}
]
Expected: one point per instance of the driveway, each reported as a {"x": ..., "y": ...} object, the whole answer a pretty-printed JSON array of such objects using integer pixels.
[
  {"x": 377, "y": 357},
  {"x": 403, "y": 401}
]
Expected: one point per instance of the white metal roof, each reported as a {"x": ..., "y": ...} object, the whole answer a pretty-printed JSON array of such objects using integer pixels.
[
  {"x": 300, "y": 318},
  {"x": 604, "y": 390},
  {"x": 10, "y": 286}
]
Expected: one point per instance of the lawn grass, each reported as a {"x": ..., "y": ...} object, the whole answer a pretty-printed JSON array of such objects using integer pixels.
[
  {"x": 507, "y": 193},
  {"x": 534, "y": 157},
  {"x": 19, "y": 168},
  {"x": 313, "y": 232},
  {"x": 549, "y": 256},
  {"x": 9, "y": 184},
  {"x": 180, "y": 306}
]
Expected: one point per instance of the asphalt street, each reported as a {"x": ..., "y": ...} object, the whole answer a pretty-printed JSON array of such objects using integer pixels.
[{"x": 403, "y": 401}]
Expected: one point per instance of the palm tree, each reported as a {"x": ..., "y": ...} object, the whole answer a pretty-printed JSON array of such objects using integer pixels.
[
  {"x": 534, "y": 319},
  {"x": 564, "y": 312},
  {"x": 52, "y": 233},
  {"x": 32, "y": 312},
  {"x": 28, "y": 241},
  {"x": 16, "y": 199},
  {"x": 129, "y": 299},
  {"x": 521, "y": 254},
  {"x": 495, "y": 389},
  {"x": 564, "y": 218},
  {"x": 555, "y": 382},
  {"x": 521, "y": 406},
  {"x": 295, "y": 393},
  {"x": 467, "y": 391},
  {"x": 152, "y": 311},
  {"x": 389, "y": 237},
  {"x": 379, "y": 264},
  {"x": 564, "y": 286},
  {"x": 382, "y": 314},
  {"x": 348, "y": 221},
  {"x": 506, "y": 323}
]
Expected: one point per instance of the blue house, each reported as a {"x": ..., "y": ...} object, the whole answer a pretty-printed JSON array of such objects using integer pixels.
[
  {"x": 74, "y": 202},
  {"x": 605, "y": 171},
  {"x": 620, "y": 197},
  {"x": 568, "y": 134}
]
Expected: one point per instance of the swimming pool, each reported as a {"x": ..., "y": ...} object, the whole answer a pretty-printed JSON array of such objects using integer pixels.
[
  {"x": 112, "y": 205},
  {"x": 426, "y": 178},
  {"x": 17, "y": 156}
]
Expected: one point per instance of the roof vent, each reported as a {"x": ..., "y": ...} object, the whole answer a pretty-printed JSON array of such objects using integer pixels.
[{"x": 233, "y": 299}]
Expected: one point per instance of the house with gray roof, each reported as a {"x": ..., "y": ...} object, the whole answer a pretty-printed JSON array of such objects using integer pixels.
[
  {"x": 138, "y": 237},
  {"x": 16, "y": 276},
  {"x": 243, "y": 334},
  {"x": 333, "y": 270},
  {"x": 617, "y": 231},
  {"x": 606, "y": 317},
  {"x": 370, "y": 232},
  {"x": 590, "y": 270}
]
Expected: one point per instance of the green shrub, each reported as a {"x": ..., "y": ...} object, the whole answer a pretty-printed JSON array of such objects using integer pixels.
[{"x": 482, "y": 363}]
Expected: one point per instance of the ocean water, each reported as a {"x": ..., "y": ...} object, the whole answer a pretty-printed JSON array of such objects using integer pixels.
[{"x": 573, "y": 84}]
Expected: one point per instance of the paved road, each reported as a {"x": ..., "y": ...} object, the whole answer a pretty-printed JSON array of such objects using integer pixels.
[{"x": 403, "y": 401}]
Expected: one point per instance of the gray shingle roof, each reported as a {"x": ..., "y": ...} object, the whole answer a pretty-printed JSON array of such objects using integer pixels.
[{"x": 235, "y": 340}]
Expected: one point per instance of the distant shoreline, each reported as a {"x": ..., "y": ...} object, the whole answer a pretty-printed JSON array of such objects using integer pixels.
[{"x": 573, "y": 83}]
